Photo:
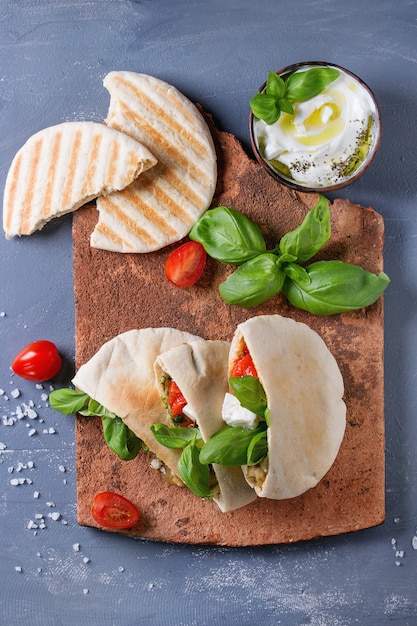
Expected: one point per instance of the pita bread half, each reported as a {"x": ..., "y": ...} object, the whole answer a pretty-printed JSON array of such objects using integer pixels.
[
  {"x": 62, "y": 167},
  {"x": 200, "y": 370},
  {"x": 162, "y": 207},
  {"x": 304, "y": 390},
  {"x": 121, "y": 377}
]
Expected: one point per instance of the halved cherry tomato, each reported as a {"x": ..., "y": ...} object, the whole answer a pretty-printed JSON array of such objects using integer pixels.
[
  {"x": 177, "y": 404},
  {"x": 244, "y": 366},
  {"x": 38, "y": 361},
  {"x": 185, "y": 265},
  {"x": 113, "y": 510}
]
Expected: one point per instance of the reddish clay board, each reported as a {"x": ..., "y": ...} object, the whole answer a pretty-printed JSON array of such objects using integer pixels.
[{"x": 118, "y": 292}]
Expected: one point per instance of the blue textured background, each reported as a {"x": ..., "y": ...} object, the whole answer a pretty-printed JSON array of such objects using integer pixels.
[{"x": 53, "y": 58}]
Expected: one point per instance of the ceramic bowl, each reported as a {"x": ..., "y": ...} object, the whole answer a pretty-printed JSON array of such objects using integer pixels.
[{"x": 306, "y": 173}]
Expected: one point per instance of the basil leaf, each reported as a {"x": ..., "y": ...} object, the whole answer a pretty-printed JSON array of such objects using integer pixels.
[
  {"x": 229, "y": 445},
  {"x": 275, "y": 85},
  {"x": 298, "y": 274},
  {"x": 286, "y": 106},
  {"x": 228, "y": 236},
  {"x": 120, "y": 438},
  {"x": 310, "y": 236},
  {"x": 257, "y": 449},
  {"x": 195, "y": 474},
  {"x": 336, "y": 287},
  {"x": 253, "y": 282},
  {"x": 265, "y": 107},
  {"x": 305, "y": 85},
  {"x": 95, "y": 408},
  {"x": 68, "y": 401},
  {"x": 173, "y": 437},
  {"x": 250, "y": 393}
]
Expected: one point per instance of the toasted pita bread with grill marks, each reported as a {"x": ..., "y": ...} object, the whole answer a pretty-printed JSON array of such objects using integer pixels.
[
  {"x": 62, "y": 167},
  {"x": 199, "y": 368},
  {"x": 304, "y": 390},
  {"x": 161, "y": 207},
  {"x": 121, "y": 377}
]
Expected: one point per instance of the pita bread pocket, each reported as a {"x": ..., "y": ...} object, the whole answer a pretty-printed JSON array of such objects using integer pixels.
[
  {"x": 162, "y": 207},
  {"x": 120, "y": 376},
  {"x": 304, "y": 390},
  {"x": 62, "y": 167},
  {"x": 199, "y": 370}
]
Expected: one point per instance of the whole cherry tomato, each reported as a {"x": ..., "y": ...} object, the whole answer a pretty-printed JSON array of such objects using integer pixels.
[
  {"x": 185, "y": 265},
  {"x": 38, "y": 361},
  {"x": 113, "y": 510}
]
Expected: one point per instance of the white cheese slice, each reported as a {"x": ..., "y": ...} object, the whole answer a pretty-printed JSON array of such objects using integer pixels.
[{"x": 234, "y": 414}]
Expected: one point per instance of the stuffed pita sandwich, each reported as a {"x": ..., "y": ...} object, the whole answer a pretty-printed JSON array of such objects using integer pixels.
[
  {"x": 192, "y": 378},
  {"x": 285, "y": 418},
  {"x": 121, "y": 378}
]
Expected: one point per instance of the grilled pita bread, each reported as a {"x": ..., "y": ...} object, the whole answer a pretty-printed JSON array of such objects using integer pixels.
[
  {"x": 161, "y": 207},
  {"x": 304, "y": 390},
  {"x": 199, "y": 369},
  {"x": 62, "y": 167},
  {"x": 121, "y": 377}
]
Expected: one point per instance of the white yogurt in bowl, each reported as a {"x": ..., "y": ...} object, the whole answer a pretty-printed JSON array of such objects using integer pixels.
[{"x": 328, "y": 141}]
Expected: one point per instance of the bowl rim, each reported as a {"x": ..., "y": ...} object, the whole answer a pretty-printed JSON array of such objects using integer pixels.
[{"x": 371, "y": 153}]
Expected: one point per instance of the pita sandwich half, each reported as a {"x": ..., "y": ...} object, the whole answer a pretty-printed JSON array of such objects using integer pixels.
[
  {"x": 199, "y": 369},
  {"x": 62, "y": 167},
  {"x": 162, "y": 207},
  {"x": 304, "y": 391},
  {"x": 120, "y": 376}
]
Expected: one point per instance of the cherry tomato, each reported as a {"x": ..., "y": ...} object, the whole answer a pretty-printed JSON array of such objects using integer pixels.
[
  {"x": 38, "y": 361},
  {"x": 112, "y": 510},
  {"x": 185, "y": 265},
  {"x": 177, "y": 405},
  {"x": 244, "y": 366}
]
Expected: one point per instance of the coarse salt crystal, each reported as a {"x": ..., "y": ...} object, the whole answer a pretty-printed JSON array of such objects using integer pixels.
[
  {"x": 18, "y": 568},
  {"x": 32, "y": 432},
  {"x": 86, "y": 559},
  {"x": 32, "y": 415},
  {"x": 39, "y": 386},
  {"x": 50, "y": 504},
  {"x": 15, "y": 393},
  {"x": 2, "y": 446},
  {"x": 14, "y": 482},
  {"x": 62, "y": 468},
  {"x": 36, "y": 494},
  {"x": 85, "y": 591},
  {"x": 414, "y": 542},
  {"x": 54, "y": 516},
  {"x": 76, "y": 547}
]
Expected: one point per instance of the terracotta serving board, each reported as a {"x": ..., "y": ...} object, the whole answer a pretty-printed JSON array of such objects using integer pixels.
[{"x": 117, "y": 292}]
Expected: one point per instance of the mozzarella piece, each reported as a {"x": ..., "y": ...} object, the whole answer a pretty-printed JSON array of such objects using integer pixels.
[{"x": 234, "y": 414}]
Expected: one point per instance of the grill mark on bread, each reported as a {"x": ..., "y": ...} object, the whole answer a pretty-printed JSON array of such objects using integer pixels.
[
  {"x": 161, "y": 113},
  {"x": 148, "y": 211},
  {"x": 167, "y": 151},
  {"x": 12, "y": 192},
  {"x": 112, "y": 163},
  {"x": 92, "y": 163},
  {"x": 30, "y": 188},
  {"x": 72, "y": 165},
  {"x": 47, "y": 204},
  {"x": 111, "y": 235},
  {"x": 117, "y": 212}
]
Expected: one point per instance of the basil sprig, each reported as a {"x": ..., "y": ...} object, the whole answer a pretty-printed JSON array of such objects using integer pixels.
[
  {"x": 322, "y": 288},
  {"x": 195, "y": 474},
  {"x": 117, "y": 435},
  {"x": 280, "y": 93}
]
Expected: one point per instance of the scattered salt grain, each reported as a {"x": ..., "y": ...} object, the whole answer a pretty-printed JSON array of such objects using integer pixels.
[
  {"x": 414, "y": 542},
  {"x": 14, "y": 482},
  {"x": 32, "y": 432},
  {"x": 55, "y": 516},
  {"x": 121, "y": 569},
  {"x": 18, "y": 568},
  {"x": 15, "y": 393},
  {"x": 50, "y": 504},
  {"x": 2, "y": 314},
  {"x": 3, "y": 446},
  {"x": 85, "y": 591},
  {"x": 32, "y": 525},
  {"x": 86, "y": 560},
  {"x": 62, "y": 468},
  {"x": 76, "y": 547},
  {"x": 36, "y": 494}
]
